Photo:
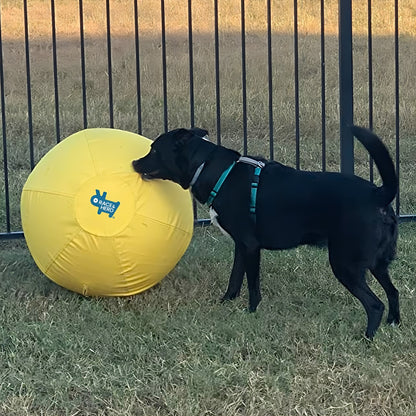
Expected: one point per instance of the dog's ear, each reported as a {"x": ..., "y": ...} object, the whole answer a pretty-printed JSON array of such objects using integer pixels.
[
  {"x": 200, "y": 132},
  {"x": 183, "y": 135}
]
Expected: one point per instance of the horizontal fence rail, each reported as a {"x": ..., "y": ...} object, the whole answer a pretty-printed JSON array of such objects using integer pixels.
[{"x": 249, "y": 82}]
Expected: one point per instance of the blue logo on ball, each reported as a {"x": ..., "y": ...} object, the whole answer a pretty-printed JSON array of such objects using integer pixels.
[{"x": 103, "y": 204}]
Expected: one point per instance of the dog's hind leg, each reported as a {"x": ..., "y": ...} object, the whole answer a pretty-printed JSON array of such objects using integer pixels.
[
  {"x": 237, "y": 274},
  {"x": 252, "y": 261},
  {"x": 381, "y": 273},
  {"x": 353, "y": 278}
]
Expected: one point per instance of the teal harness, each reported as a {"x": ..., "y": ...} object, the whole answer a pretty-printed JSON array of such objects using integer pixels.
[
  {"x": 258, "y": 166},
  {"x": 254, "y": 187},
  {"x": 219, "y": 183}
]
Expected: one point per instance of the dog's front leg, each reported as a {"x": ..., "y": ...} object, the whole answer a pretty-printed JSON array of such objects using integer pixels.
[
  {"x": 252, "y": 263},
  {"x": 237, "y": 274}
]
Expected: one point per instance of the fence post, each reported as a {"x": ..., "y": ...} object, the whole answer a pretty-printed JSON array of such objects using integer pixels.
[{"x": 346, "y": 86}]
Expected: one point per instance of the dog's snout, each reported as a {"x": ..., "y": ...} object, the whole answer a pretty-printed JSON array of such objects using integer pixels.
[
  {"x": 135, "y": 165},
  {"x": 143, "y": 169}
]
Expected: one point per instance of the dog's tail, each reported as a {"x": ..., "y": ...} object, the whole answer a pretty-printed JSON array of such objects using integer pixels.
[{"x": 383, "y": 161}]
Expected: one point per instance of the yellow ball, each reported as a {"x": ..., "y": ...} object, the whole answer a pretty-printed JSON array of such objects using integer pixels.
[{"x": 93, "y": 225}]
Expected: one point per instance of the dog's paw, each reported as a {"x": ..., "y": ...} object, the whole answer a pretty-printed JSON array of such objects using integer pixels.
[
  {"x": 368, "y": 337},
  {"x": 252, "y": 309},
  {"x": 254, "y": 302},
  {"x": 393, "y": 320},
  {"x": 229, "y": 296}
]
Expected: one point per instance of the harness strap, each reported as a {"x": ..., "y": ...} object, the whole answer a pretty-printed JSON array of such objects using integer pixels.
[
  {"x": 252, "y": 162},
  {"x": 254, "y": 187},
  {"x": 258, "y": 166},
  {"x": 219, "y": 183}
]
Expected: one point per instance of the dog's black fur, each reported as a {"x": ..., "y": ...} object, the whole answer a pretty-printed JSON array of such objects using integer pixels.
[{"x": 294, "y": 207}]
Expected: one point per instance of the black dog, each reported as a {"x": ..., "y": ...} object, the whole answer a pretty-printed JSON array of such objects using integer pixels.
[{"x": 272, "y": 206}]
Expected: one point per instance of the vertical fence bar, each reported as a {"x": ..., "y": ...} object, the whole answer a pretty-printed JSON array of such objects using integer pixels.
[
  {"x": 397, "y": 98},
  {"x": 370, "y": 66},
  {"x": 110, "y": 65},
  {"x": 164, "y": 69},
  {"x": 346, "y": 86},
  {"x": 323, "y": 88},
  {"x": 191, "y": 66},
  {"x": 191, "y": 86},
  {"x": 217, "y": 72},
  {"x": 55, "y": 73},
  {"x": 270, "y": 76},
  {"x": 244, "y": 74},
  {"x": 4, "y": 135},
  {"x": 296, "y": 55},
  {"x": 370, "y": 80},
  {"x": 138, "y": 80},
  {"x": 83, "y": 76},
  {"x": 28, "y": 85}
]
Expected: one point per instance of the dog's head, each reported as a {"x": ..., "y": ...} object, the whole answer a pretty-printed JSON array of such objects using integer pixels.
[{"x": 175, "y": 156}]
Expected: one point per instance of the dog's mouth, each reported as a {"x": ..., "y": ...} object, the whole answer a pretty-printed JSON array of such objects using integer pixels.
[{"x": 147, "y": 176}]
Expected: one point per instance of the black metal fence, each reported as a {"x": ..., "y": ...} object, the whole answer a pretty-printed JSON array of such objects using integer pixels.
[{"x": 10, "y": 193}]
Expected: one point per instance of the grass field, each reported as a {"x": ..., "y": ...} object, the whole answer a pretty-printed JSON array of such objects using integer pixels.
[
  {"x": 175, "y": 350},
  {"x": 124, "y": 78}
]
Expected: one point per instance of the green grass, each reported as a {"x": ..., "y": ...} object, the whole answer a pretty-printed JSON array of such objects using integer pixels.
[
  {"x": 176, "y": 350},
  {"x": 124, "y": 79}
]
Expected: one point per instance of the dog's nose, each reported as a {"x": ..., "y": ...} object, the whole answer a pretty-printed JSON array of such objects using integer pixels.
[{"x": 135, "y": 165}]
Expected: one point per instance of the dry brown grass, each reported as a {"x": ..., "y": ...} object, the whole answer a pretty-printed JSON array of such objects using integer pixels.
[
  {"x": 124, "y": 75},
  {"x": 67, "y": 14}
]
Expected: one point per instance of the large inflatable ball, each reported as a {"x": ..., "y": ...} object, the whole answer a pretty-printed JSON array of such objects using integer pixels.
[{"x": 93, "y": 225}]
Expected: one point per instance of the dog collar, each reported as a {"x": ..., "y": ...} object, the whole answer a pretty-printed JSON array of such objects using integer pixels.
[{"x": 196, "y": 174}]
